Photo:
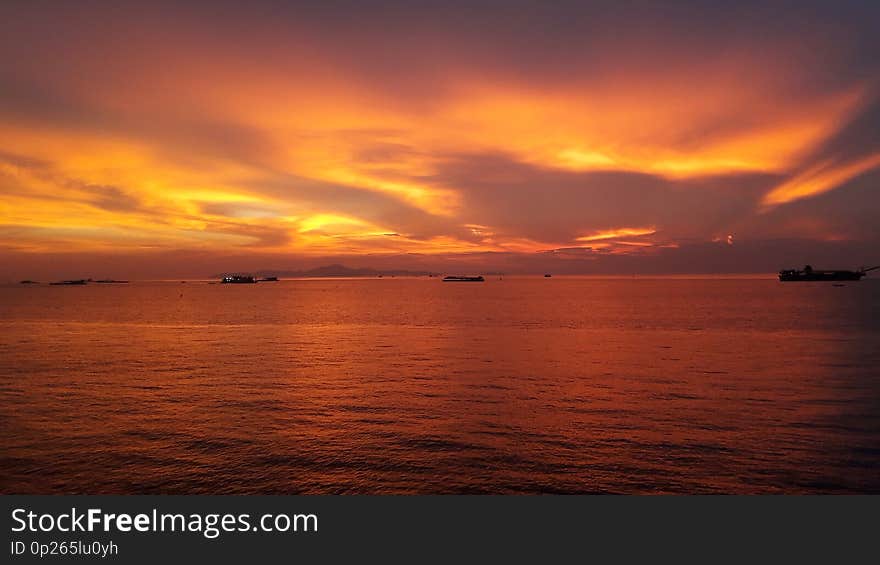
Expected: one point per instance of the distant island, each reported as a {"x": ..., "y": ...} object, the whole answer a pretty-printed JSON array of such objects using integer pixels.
[{"x": 335, "y": 271}]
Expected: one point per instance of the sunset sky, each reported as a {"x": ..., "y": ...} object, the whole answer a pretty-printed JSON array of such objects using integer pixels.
[{"x": 151, "y": 139}]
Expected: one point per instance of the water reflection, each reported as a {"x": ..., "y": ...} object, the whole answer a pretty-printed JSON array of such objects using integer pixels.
[{"x": 395, "y": 385}]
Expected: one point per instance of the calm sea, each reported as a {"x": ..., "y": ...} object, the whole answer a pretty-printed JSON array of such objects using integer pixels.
[{"x": 521, "y": 385}]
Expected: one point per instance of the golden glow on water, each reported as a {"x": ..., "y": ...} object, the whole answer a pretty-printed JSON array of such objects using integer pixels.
[{"x": 524, "y": 385}]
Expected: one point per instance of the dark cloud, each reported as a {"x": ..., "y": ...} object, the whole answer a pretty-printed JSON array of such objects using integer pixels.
[
  {"x": 859, "y": 137},
  {"x": 848, "y": 213},
  {"x": 105, "y": 197},
  {"x": 112, "y": 198},
  {"x": 262, "y": 236},
  {"x": 553, "y": 205}
]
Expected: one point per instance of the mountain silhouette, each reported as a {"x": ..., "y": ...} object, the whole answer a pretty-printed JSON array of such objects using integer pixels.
[{"x": 335, "y": 270}]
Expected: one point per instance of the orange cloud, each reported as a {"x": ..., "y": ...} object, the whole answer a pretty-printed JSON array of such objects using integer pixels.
[
  {"x": 608, "y": 128},
  {"x": 291, "y": 141},
  {"x": 818, "y": 179},
  {"x": 617, "y": 233}
]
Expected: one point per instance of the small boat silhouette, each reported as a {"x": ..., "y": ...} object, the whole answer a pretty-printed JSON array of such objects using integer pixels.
[
  {"x": 76, "y": 282},
  {"x": 458, "y": 278}
]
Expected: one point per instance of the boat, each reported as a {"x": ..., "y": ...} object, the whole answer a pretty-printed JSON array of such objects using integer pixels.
[
  {"x": 28, "y": 281},
  {"x": 808, "y": 273},
  {"x": 77, "y": 282},
  {"x": 238, "y": 279},
  {"x": 111, "y": 281},
  {"x": 547, "y": 276},
  {"x": 268, "y": 279},
  {"x": 457, "y": 278}
]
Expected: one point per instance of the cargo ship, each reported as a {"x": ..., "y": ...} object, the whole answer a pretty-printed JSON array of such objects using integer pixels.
[
  {"x": 238, "y": 279},
  {"x": 808, "y": 273},
  {"x": 457, "y": 278}
]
